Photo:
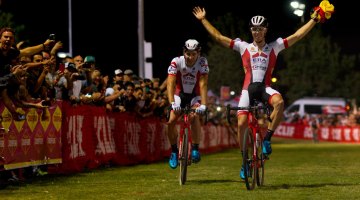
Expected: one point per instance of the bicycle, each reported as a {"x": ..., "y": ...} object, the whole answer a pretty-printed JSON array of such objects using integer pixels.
[
  {"x": 185, "y": 141},
  {"x": 253, "y": 157}
]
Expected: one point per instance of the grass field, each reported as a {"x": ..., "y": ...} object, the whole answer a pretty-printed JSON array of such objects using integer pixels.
[{"x": 296, "y": 170}]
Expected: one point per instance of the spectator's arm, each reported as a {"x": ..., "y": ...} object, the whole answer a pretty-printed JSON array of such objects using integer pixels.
[
  {"x": 58, "y": 45},
  {"x": 41, "y": 78},
  {"x": 35, "y": 49}
]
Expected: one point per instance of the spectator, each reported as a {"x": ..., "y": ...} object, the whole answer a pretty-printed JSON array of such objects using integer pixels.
[
  {"x": 89, "y": 62},
  {"x": 119, "y": 78},
  {"x": 126, "y": 102},
  {"x": 128, "y": 75}
]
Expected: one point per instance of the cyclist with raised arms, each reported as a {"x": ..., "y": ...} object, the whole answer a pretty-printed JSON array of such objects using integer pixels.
[
  {"x": 259, "y": 60},
  {"x": 187, "y": 85}
]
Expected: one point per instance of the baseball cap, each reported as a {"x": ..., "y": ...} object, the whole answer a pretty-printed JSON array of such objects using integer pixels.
[
  {"x": 118, "y": 71},
  {"x": 89, "y": 59},
  {"x": 109, "y": 91},
  {"x": 128, "y": 72}
]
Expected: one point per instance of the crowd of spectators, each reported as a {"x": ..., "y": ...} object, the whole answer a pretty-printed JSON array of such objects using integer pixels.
[
  {"x": 350, "y": 119},
  {"x": 34, "y": 77}
]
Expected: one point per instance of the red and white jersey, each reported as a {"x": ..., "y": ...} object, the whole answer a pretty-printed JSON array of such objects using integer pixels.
[
  {"x": 187, "y": 78},
  {"x": 258, "y": 65}
]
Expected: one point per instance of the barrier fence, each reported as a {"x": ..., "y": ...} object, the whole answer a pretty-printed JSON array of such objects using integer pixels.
[
  {"x": 344, "y": 134},
  {"x": 75, "y": 138}
]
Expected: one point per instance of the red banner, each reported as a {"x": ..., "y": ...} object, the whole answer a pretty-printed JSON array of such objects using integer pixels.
[
  {"x": 85, "y": 137},
  {"x": 332, "y": 133},
  {"x": 33, "y": 141}
]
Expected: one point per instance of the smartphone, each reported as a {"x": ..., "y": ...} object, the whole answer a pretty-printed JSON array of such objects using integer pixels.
[
  {"x": 61, "y": 67},
  {"x": 52, "y": 36}
]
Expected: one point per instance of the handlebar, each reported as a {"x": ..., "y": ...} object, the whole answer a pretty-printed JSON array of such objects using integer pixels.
[
  {"x": 186, "y": 110},
  {"x": 253, "y": 109}
]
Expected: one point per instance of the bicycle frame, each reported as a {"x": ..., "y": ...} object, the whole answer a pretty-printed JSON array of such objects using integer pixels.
[
  {"x": 185, "y": 141},
  {"x": 253, "y": 164}
]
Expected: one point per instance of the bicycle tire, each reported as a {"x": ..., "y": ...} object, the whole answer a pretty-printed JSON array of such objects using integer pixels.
[
  {"x": 260, "y": 169},
  {"x": 248, "y": 162},
  {"x": 184, "y": 157}
]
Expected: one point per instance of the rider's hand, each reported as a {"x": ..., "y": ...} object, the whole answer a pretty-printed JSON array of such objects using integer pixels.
[
  {"x": 199, "y": 13},
  {"x": 314, "y": 14},
  {"x": 322, "y": 12},
  {"x": 175, "y": 107},
  {"x": 201, "y": 109}
]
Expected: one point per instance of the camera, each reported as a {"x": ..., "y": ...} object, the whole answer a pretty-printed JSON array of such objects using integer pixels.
[{"x": 52, "y": 36}]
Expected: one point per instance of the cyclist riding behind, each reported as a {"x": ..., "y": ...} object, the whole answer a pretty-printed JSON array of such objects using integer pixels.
[
  {"x": 258, "y": 58},
  {"x": 187, "y": 85}
]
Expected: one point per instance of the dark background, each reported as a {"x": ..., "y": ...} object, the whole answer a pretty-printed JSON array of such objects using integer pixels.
[{"x": 108, "y": 29}]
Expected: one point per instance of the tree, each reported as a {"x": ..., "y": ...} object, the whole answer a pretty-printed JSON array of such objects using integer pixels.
[
  {"x": 315, "y": 67},
  {"x": 6, "y": 20}
]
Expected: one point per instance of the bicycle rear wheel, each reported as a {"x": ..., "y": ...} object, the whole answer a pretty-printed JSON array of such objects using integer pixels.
[
  {"x": 260, "y": 169},
  {"x": 184, "y": 157},
  {"x": 248, "y": 162}
]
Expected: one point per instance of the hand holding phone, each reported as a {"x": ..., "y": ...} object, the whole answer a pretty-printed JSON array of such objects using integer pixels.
[{"x": 61, "y": 67}]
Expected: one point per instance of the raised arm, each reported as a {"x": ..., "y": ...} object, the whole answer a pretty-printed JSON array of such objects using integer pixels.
[
  {"x": 29, "y": 51},
  {"x": 200, "y": 14},
  {"x": 301, "y": 32}
]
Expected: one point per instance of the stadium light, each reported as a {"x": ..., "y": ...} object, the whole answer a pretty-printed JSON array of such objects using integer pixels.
[
  {"x": 299, "y": 9},
  {"x": 63, "y": 54}
]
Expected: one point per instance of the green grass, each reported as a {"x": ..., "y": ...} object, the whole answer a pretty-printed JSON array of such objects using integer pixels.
[{"x": 296, "y": 170}]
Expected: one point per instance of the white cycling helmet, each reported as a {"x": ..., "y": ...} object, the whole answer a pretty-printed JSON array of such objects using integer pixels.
[
  {"x": 258, "y": 21},
  {"x": 192, "y": 45}
]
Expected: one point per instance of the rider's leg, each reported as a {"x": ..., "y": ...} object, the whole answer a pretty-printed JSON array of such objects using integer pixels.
[
  {"x": 195, "y": 129},
  {"x": 172, "y": 133},
  {"x": 195, "y": 133},
  {"x": 242, "y": 124},
  {"x": 277, "y": 102},
  {"x": 242, "y": 116}
]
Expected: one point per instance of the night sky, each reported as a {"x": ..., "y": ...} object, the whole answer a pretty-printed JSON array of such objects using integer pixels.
[{"x": 99, "y": 27}]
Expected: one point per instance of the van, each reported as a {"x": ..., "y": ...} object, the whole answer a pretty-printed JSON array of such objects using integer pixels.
[{"x": 317, "y": 105}]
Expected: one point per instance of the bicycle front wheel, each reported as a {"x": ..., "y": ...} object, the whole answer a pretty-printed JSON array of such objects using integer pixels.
[
  {"x": 248, "y": 161},
  {"x": 184, "y": 155}
]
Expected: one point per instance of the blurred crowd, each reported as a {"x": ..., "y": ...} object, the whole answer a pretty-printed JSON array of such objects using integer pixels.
[
  {"x": 35, "y": 77},
  {"x": 324, "y": 120}
]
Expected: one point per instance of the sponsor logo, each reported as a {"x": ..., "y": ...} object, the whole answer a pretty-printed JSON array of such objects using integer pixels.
[
  {"x": 286, "y": 131},
  {"x": 258, "y": 67}
]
